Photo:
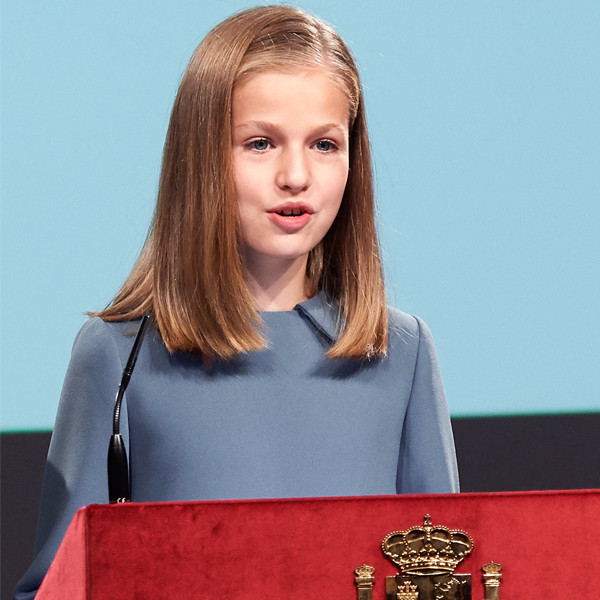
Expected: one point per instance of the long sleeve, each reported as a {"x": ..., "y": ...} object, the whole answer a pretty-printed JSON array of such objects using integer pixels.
[
  {"x": 279, "y": 423},
  {"x": 75, "y": 472},
  {"x": 427, "y": 460}
]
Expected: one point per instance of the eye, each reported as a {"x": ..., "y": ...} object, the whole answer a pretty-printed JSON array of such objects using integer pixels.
[
  {"x": 325, "y": 146},
  {"x": 259, "y": 144}
]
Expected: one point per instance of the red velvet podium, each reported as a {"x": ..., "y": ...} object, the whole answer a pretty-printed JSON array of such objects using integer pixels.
[{"x": 547, "y": 542}]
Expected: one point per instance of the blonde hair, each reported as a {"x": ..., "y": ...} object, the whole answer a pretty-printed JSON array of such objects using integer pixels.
[{"x": 189, "y": 274}]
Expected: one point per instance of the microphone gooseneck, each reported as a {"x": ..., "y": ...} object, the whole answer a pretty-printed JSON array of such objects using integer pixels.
[{"x": 118, "y": 468}]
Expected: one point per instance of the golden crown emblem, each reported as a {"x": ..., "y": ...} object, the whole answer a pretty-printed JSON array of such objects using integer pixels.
[{"x": 427, "y": 550}]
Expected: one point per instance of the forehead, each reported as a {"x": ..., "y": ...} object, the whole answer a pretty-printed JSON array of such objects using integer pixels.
[{"x": 291, "y": 91}]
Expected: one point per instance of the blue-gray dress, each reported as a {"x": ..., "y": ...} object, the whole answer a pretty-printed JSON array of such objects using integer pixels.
[{"x": 284, "y": 422}]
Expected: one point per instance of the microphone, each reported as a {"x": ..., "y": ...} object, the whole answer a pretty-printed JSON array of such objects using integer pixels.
[{"x": 118, "y": 468}]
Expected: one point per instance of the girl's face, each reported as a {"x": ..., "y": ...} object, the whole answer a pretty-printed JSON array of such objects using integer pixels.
[{"x": 290, "y": 158}]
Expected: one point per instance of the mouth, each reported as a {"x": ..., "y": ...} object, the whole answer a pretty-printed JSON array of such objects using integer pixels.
[
  {"x": 292, "y": 210},
  {"x": 291, "y": 217}
]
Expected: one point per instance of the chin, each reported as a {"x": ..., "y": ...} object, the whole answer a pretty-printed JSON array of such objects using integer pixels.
[{"x": 285, "y": 254}]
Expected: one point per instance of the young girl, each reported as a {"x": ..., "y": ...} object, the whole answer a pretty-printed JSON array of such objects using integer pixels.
[{"x": 273, "y": 367}]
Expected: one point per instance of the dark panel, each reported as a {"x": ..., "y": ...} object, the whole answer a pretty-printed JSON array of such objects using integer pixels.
[
  {"x": 23, "y": 457},
  {"x": 543, "y": 452},
  {"x": 494, "y": 454}
]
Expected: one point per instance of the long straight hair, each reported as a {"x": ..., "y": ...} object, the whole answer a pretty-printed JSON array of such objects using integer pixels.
[{"x": 189, "y": 274}]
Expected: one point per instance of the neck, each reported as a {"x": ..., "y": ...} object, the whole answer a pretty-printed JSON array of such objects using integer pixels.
[{"x": 278, "y": 286}]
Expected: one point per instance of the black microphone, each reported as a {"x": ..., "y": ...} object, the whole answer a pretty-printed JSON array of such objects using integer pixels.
[{"x": 118, "y": 468}]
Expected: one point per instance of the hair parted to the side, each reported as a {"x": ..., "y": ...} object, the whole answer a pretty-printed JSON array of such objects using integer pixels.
[{"x": 189, "y": 274}]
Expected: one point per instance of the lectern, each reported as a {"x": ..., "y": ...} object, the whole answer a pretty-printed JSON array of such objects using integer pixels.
[{"x": 547, "y": 543}]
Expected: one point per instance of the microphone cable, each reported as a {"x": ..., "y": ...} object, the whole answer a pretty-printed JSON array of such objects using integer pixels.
[{"x": 117, "y": 465}]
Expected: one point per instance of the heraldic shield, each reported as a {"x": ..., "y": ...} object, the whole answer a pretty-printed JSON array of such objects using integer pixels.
[{"x": 427, "y": 556}]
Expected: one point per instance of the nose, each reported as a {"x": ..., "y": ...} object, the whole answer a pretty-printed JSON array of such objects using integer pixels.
[{"x": 293, "y": 173}]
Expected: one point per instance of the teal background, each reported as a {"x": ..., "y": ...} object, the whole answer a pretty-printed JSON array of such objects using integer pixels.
[{"x": 485, "y": 125}]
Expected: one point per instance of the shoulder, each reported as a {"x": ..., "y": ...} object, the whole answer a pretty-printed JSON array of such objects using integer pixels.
[
  {"x": 402, "y": 325},
  {"x": 98, "y": 339},
  {"x": 96, "y": 331},
  {"x": 407, "y": 330}
]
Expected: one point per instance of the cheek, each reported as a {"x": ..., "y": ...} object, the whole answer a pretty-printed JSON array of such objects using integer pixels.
[
  {"x": 334, "y": 194},
  {"x": 341, "y": 182},
  {"x": 337, "y": 185},
  {"x": 245, "y": 183}
]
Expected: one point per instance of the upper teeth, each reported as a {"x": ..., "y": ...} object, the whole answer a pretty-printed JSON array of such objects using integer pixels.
[{"x": 291, "y": 212}]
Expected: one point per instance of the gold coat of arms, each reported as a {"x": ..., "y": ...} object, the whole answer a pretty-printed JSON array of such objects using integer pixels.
[{"x": 427, "y": 556}]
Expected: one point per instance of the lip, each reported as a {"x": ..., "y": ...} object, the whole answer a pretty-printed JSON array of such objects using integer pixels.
[{"x": 288, "y": 223}]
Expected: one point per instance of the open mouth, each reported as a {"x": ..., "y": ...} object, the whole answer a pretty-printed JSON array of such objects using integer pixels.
[{"x": 291, "y": 212}]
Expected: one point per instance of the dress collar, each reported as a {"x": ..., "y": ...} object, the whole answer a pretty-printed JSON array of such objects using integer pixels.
[{"x": 322, "y": 312}]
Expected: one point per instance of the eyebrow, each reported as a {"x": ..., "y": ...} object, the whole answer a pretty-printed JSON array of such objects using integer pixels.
[{"x": 267, "y": 126}]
